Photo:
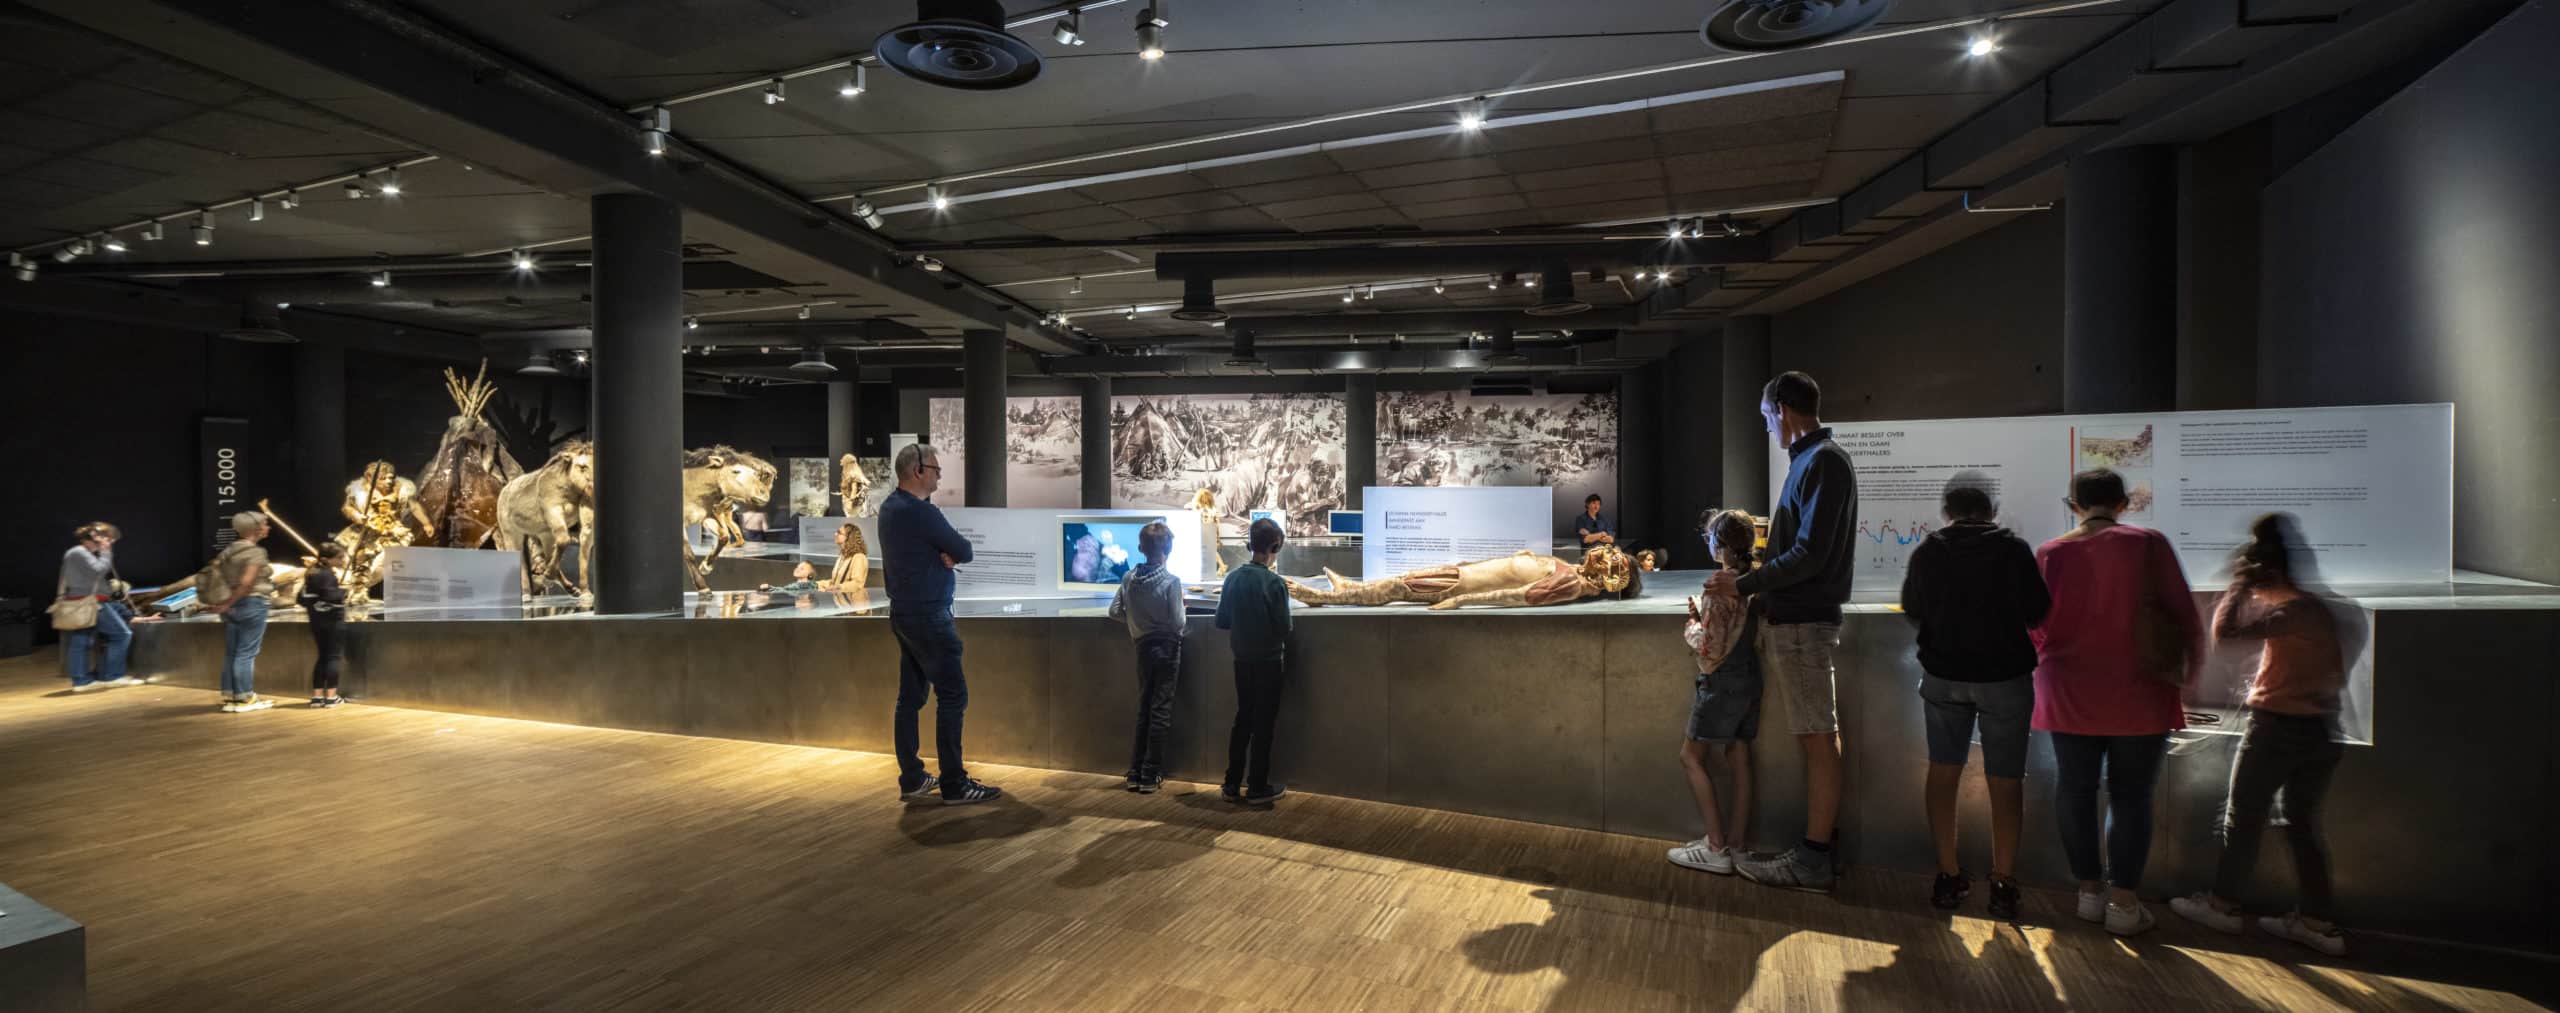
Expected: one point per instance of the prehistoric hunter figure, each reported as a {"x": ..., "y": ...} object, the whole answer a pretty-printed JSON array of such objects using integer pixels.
[
  {"x": 537, "y": 512},
  {"x": 718, "y": 480},
  {"x": 1205, "y": 503},
  {"x": 856, "y": 488},
  {"x": 377, "y": 511},
  {"x": 1523, "y": 578},
  {"x": 457, "y": 502}
]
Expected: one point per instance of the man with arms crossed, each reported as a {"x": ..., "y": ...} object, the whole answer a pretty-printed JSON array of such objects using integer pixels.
[
  {"x": 918, "y": 551},
  {"x": 1801, "y": 589}
]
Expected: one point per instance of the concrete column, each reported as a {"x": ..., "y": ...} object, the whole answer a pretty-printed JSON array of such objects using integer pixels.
[
  {"x": 320, "y": 467},
  {"x": 2120, "y": 282},
  {"x": 843, "y": 406},
  {"x": 982, "y": 386},
  {"x": 1097, "y": 442},
  {"x": 2218, "y": 187},
  {"x": 638, "y": 392},
  {"x": 1637, "y": 497},
  {"x": 1745, "y": 370},
  {"x": 1359, "y": 437}
]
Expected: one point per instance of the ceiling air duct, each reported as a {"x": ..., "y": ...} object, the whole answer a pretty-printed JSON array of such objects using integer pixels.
[
  {"x": 260, "y": 327},
  {"x": 959, "y": 44},
  {"x": 1244, "y": 357},
  {"x": 1773, "y": 26},
  {"x": 1505, "y": 347},
  {"x": 1199, "y": 301},
  {"x": 1555, "y": 295}
]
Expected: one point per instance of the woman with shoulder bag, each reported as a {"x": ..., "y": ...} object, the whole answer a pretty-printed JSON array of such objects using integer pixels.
[
  {"x": 2107, "y": 692},
  {"x": 84, "y": 616}
]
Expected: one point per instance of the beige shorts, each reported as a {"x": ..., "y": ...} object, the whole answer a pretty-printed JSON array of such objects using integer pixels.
[{"x": 1795, "y": 659}]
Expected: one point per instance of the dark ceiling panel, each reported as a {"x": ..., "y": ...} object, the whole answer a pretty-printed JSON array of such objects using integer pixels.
[
  {"x": 1298, "y": 189},
  {"x": 1611, "y": 173},
  {"x": 1378, "y": 217},
  {"x": 1270, "y": 170},
  {"x": 1177, "y": 204},
  {"x": 1228, "y": 220},
  {"x": 1466, "y": 206},
  {"x": 1751, "y": 107},
  {"x": 1543, "y": 159},
  {"x": 1082, "y": 217},
  {"x": 1314, "y": 206},
  {"x": 1430, "y": 172},
  {"x": 1144, "y": 186},
  {"x": 1681, "y": 168},
  {"x": 1486, "y": 186}
]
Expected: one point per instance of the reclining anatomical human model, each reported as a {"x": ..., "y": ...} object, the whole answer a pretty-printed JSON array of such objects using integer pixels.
[{"x": 1523, "y": 578}]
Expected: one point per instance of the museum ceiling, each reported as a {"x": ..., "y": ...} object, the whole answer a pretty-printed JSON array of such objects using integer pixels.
[{"x": 1264, "y": 127}]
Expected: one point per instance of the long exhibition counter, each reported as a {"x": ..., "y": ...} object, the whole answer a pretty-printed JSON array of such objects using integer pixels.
[{"x": 1569, "y": 715}]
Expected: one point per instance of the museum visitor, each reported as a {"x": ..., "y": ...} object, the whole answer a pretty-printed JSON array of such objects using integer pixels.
[
  {"x": 1150, "y": 602},
  {"x": 237, "y": 589},
  {"x": 1253, "y": 606},
  {"x": 1724, "y": 713},
  {"x": 324, "y": 600},
  {"x": 85, "y": 611},
  {"x": 918, "y": 553},
  {"x": 1592, "y": 528}
]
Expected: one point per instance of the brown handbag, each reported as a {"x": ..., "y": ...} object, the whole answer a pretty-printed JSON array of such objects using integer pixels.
[{"x": 71, "y": 614}]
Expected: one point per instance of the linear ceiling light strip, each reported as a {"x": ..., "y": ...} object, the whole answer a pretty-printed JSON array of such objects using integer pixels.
[
  {"x": 1458, "y": 100},
  {"x": 274, "y": 194},
  {"x": 1524, "y": 119}
]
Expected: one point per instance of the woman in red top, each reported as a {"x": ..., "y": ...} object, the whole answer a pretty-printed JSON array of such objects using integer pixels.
[
  {"x": 2118, "y": 595},
  {"x": 2293, "y": 701}
]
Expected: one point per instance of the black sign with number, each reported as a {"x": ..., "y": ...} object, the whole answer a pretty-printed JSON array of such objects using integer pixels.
[{"x": 222, "y": 478}]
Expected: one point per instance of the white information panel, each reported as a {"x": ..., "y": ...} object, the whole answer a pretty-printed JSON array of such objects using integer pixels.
[
  {"x": 2371, "y": 486},
  {"x": 1413, "y": 527},
  {"x": 1021, "y": 553},
  {"x": 415, "y": 575}
]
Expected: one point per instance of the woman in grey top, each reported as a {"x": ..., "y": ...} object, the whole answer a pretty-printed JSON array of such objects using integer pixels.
[{"x": 87, "y": 571}]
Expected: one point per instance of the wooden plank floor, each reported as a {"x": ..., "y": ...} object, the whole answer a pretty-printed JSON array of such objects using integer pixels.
[{"x": 375, "y": 859}]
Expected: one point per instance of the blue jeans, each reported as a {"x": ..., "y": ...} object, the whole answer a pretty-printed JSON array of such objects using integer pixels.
[
  {"x": 2132, "y": 765},
  {"x": 929, "y": 660},
  {"x": 75, "y": 648},
  {"x": 244, "y": 629}
]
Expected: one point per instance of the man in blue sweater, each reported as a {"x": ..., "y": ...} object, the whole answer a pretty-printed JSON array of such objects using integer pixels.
[
  {"x": 918, "y": 551},
  {"x": 1801, "y": 588}
]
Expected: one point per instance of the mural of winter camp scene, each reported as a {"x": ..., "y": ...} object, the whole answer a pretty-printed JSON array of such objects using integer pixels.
[
  {"x": 1044, "y": 443},
  {"x": 1568, "y": 441},
  {"x": 1259, "y": 451}
]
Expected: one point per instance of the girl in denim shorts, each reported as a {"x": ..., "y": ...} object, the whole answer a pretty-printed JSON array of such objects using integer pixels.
[{"x": 1725, "y": 715}]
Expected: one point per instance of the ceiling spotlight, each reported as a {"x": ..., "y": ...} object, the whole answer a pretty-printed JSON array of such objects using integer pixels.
[
  {"x": 153, "y": 232},
  {"x": 1983, "y": 45},
  {"x": 693, "y": 323},
  {"x": 1075, "y": 285},
  {"x": 111, "y": 243},
  {"x": 1369, "y": 292},
  {"x": 1678, "y": 230},
  {"x": 522, "y": 259},
  {"x": 390, "y": 182},
  {"x": 804, "y": 313},
  {"x": 1069, "y": 31},
  {"x": 1471, "y": 114},
  {"x": 856, "y": 83},
  {"x": 1732, "y": 229},
  {"x": 578, "y": 356},
  {"x": 1131, "y": 315},
  {"x": 204, "y": 228},
  {"x": 940, "y": 201},
  {"x": 24, "y": 269},
  {"x": 257, "y": 209},
  {"x": 773, "y": 92},
  {"x": 356, "y": 190},
  {"x": 1437, "y": 287},
  {"x": 1492, "y": 282},
  {"x": 930, "y": 264},
  {"x": 656, "y": 127},
  {"x": 66, "y": 254},
  {"x": 1151, "y": 26},
  {"x": 292, "y": 198},
  {"x": 382, "y": 279},
  {"x": 1346, "y": 295},
  {"x": 868, "y": 215},
  {"x": 83, "y": 247}
]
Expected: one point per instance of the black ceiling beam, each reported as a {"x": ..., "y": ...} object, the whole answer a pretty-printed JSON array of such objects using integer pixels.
[
  {"x": 1364, "y": 262},
  {"x": 1360, "y": 237},
  {"x": 546, "y": 260},
  {"x": 1339, "y": 360},
  {"x": 454, "y": 96},
  {"x": 742, "y": 334},
  {"x": 140, "y": 306},
  {"x": 1427, "y": 322}
]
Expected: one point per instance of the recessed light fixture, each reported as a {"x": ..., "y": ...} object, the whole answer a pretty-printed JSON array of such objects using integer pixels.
[{"x": 855, "y": 83}]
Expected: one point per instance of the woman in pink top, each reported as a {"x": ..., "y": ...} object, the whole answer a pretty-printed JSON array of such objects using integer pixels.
[{"x": 2103, "y": 711}]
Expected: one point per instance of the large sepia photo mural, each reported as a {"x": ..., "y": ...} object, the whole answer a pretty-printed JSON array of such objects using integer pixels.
[
  {"x": 1044, "y": 443},
  {"x": 1452, "y": 438},
  {"x": 1259, "y": 451}
]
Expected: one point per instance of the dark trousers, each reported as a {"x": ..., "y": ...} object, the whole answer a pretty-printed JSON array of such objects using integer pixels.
[
  {"x": 929, "y": 659},
  {"x": 328, "y": 650},
  {"x": 2131, "y": 765},
  {"x": 1159, "y": 669},
  {"x": 1258, "y": 686},
  {"x": 2293, "y": 753}
]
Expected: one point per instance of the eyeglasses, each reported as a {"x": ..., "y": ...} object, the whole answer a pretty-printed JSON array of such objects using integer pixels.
[{"x": 934, "y": 468}]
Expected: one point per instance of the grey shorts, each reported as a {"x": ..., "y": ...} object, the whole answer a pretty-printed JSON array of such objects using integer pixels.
[
  {"x": 1796, "y": 659},
  {"x": 1727, "y": 708},
  {"x": 2001, "y": 709}
]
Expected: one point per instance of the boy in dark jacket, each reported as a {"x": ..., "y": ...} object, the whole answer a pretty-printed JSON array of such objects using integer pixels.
[
  {"x": 1150, "y": 602},
  {"x": 1974, "y": 591},
  {"x": 1254, "y": 608}
]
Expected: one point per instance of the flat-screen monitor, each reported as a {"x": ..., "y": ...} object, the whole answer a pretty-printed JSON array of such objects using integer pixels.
[
  {"x": 1276, "y": 516},
  {"x": 1343, "y": 522},
  {"x": 1096, "y": 552}
]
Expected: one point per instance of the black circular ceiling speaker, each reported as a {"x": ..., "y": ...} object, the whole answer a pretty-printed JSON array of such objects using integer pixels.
[
  {"x": 959, "y": 44},
  {"x": 1771, "y": 26}
]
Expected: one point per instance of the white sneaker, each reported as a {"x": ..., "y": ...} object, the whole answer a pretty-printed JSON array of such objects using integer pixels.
[
  {"x": 89, "y": 687},
  {"x": 2130, "y": 921},
  {"x": 2093, "y": 907},
  {"x": 1699, "y": 855},
  {"x": 127, "y": 681},
  {"x": 2197, "y": 909},
  {"x": 2332, "y": 942},
  {"x": 231, "y": 706},
  {"x": 258, "y": 704}
]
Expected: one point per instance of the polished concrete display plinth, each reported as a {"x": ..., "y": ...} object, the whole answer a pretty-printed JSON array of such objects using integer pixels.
[
  {"x": 44, "y": 957},
  {"x": 1570, "y": 715}
]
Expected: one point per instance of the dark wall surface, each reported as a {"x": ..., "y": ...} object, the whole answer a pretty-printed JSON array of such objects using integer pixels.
[
  {"x": 1972, "y": 330},
  {"x": 2411, "y": 259}
]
